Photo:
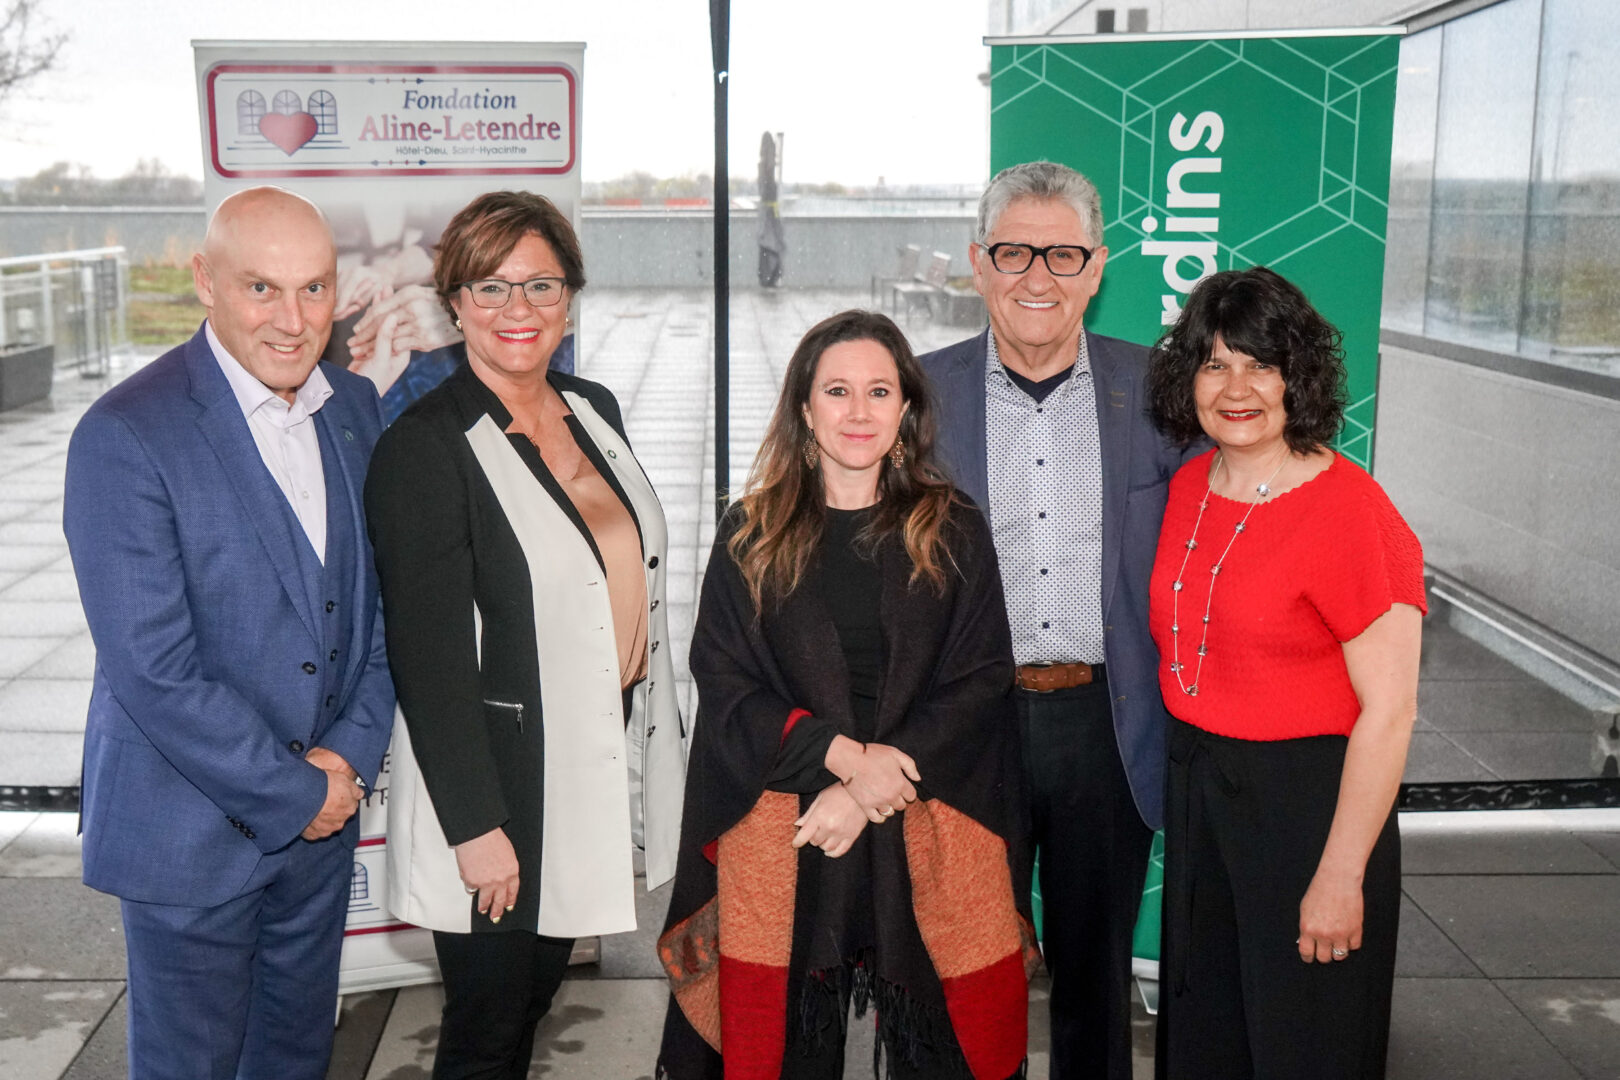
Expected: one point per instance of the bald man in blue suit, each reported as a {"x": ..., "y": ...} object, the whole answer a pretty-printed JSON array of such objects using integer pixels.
[{"x": 242, "y": 698}]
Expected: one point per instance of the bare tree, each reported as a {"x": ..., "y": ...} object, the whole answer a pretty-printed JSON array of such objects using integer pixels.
[{"x": 26, "y": 48}]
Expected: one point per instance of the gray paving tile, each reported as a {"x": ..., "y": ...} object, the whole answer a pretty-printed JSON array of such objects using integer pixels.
[
  {"x": 1449, "y": 655},
  {"x": 39, "y": 618},
  {"x": 72, "y": 658},
  {"x": 1424, "y": 951},
  {"x": 43, "y": 1025},
  {"x": 1466, "y": 1029},
  {"x": 633, "y": 955},
  {"x": 18, "y": 654},
  {"x": 12, "y": 824},
  {"x": 44, "y": 704},
  {"x": 405, "y": 1048},
  {"x": 106, "y": 1054},
  {"x": 50, "y": 512},
  {"x": 1581, "y": 1018},
  {"x": 1499, "y": 853},
  {"x": 32, "y": 533},
  {"x": 15, "y": 559},
  {"x": 44, "y": 585},
  {"x": 59, "y": 929},
  {"x": 1536, "y": 755},
  {"x": 48, "y": 848},
  {"x": 1434, "y": 758},
  {"x": 1525, "y": 927},
  {"x": 1606, "y": 844},
  {"x": 42, "y": 758},
  {"x": 360, "y": 1026},
  {"x": 1496, "y": 705}
]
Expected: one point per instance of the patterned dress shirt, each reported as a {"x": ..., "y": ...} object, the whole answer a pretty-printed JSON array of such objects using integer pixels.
[{"x": 1045, "y": 467}]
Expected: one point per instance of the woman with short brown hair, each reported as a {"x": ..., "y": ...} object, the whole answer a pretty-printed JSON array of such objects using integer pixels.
[{"x": 519, "y": 548}]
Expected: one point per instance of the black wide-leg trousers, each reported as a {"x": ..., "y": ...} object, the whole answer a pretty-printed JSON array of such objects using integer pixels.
[
  {"x": 1245, "y": 824},
  {"x": 1093, "y": 849}
]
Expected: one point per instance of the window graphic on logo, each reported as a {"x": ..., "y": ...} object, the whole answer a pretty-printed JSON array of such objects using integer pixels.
[
  {"x": 323, "y": 107},
  {"x": 250, "y": 109},
  {"x": 286, "y": 122},
  {"x": 359, "y": 885}
]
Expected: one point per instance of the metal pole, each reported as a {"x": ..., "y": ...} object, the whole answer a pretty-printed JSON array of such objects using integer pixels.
[
  {"x": 720, "y": 42},
  {"x": 47, "y": 306}
]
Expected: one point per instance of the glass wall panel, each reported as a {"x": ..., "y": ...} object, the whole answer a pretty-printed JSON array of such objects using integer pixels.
[
  {"x": 1411, "y": 181},
  {"x": 1572, "y": 261},
  {"x": 1481, "y": 175}
]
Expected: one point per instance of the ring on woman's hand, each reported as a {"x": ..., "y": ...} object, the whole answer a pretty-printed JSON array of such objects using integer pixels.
[
  {"x": 1340, "y": 954},
  {"x": 887, "y": 811},
  {"x": 472, "y": 890}
]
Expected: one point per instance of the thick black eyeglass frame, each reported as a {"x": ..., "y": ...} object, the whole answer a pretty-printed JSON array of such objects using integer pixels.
[{"x": 1085, "y": 257}]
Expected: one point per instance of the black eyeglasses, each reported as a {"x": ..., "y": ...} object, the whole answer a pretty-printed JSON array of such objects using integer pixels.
[
  {"x": 494, "y": 293},
  {"x": 1063, "y": 260}
]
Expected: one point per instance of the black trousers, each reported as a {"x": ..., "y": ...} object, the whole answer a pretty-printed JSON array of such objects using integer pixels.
[
  {"x": 1245, "y": 826},
  {"x": 1093, "y": 849},
  {"x": 497, "y": 986}
]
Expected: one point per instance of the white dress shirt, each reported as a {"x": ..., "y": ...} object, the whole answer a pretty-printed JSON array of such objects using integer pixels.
[{"x": 286, "y": 438}]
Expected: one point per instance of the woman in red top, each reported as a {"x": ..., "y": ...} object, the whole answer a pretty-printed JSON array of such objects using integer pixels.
[{"x": 1286, "y": 603}]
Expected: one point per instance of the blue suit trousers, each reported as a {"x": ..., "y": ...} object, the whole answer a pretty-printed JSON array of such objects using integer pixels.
[{"x": 247, "y": 989}]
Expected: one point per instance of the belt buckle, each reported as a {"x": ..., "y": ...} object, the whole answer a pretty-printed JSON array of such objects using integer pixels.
[{"x": 1040, "y": 689}]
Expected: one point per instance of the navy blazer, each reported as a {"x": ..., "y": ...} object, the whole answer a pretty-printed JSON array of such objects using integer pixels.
[
  {"x": 1137, "y": 464},
  {"x": 224, "y": 650}
]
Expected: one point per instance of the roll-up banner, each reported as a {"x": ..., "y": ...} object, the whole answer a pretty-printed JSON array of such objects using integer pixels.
[
  {"x": 390, "y": 139},
  {"x": 1218, "y": 151}
]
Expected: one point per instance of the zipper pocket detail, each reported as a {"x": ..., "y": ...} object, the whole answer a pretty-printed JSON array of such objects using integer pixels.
[{"x": 516, "y": 706}]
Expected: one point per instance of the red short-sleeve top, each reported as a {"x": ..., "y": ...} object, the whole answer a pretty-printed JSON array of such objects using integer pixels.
[{"x": 1311, "y": 569}]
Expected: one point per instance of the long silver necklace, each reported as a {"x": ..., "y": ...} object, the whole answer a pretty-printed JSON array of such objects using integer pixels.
[{"x": 1263, "y": 489}]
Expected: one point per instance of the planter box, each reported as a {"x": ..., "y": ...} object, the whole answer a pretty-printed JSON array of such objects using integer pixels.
[{"x": 25, "y": 375}]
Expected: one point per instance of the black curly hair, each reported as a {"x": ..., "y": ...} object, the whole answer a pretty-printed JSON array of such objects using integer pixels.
[{"x": 1260, "y": 313}]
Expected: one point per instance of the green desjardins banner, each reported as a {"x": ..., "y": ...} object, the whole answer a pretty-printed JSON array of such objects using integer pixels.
[{"x": 1218, "y": 152}]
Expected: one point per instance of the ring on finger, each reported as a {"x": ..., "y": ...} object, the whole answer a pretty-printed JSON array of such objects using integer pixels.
[
  {"x": 1340, "y": 954},
  {"x": 887, "y": 811}
]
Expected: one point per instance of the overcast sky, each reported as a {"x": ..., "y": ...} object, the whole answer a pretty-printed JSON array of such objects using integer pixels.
[{"x": 862, "y": 88}]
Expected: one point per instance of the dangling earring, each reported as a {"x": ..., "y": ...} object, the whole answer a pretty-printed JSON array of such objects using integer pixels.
[
  {"x": 812, "y": 451},
  {"x": 458, "y": 324},
  {"x": 897, "y": 453}
]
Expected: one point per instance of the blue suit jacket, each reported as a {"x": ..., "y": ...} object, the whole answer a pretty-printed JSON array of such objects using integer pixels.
[
  {"x": 214, "y": 640},
  {"x": 1137, "y": 464}
]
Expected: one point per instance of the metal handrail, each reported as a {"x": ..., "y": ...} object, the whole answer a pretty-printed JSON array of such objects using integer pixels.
[{"x": 60, "y": 256}]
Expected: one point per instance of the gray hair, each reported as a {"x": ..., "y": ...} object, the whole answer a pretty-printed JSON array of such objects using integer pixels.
[{"x": 1041, "y": 180}]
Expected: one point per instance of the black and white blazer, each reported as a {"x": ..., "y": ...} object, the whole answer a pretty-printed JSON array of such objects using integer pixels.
[{"x": 501, "y": 642}]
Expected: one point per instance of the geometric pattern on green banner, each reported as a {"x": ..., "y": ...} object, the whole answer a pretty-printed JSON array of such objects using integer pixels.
[
  {"x": 1339, "y": 201},
  {"x": 1304, "y": 176}
]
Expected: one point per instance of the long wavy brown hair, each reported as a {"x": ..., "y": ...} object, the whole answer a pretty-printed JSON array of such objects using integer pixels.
[{"x": 783, "y": 512}]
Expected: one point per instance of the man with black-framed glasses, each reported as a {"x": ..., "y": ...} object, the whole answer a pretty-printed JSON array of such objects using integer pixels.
[{"x": 1044, "y": 424}]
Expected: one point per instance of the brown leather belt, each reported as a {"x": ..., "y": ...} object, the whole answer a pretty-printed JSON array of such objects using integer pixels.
[{"x": 1045, "y": 678}]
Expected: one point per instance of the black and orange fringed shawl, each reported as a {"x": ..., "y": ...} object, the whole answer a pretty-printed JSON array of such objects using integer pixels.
[{"x": 947, "y": 880}]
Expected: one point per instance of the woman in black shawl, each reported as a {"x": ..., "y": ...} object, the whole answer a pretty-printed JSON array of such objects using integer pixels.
[{"x": 852, "y": 826}]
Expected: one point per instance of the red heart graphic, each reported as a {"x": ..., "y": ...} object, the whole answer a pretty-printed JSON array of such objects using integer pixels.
[{"x": 288, "y": 131}]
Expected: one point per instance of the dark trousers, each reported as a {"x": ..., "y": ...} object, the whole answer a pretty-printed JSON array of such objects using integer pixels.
[
  {"x": 1245, "y": 824},
  {"x": 1093, "y": 849},
  {"x": 827, "y": 1061},
  {"x": 497, "y": 986},
  {"x": 246, "y": 989}
]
